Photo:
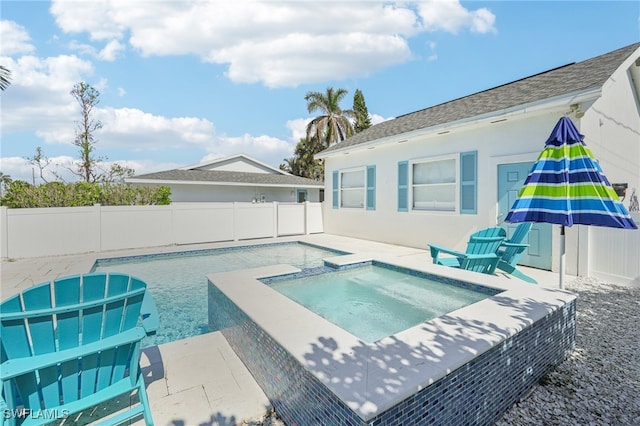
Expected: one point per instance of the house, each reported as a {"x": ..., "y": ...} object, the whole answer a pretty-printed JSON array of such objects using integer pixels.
[
  {"x": 235, "y": 178},
  {"x": 438, "y": 174}
]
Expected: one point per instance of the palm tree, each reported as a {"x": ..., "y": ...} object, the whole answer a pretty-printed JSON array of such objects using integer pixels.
[
  {"x": 333, "y": 125},
  {"x": 5, "y": 77},
  {"x": 303, "y": 162}
]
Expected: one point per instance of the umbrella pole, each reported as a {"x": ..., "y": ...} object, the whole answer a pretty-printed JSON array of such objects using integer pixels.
[{"x": 562, "y": 257}]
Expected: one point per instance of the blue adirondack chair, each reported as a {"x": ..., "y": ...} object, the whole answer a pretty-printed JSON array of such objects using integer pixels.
[
  {"x": 72, "y": 344},
  {"x": 480, "y": 255},
  {"x": 512, "y": 249}
]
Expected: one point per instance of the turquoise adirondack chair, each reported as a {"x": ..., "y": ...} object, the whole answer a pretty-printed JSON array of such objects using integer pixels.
[
  {"x": 72, "y": 344},
  {"x": 512, "y": 249},
  {"x": 480, "y": 255}
]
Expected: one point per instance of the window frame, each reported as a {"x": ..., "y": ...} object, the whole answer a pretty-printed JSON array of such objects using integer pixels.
[
  {"x": 456, "y": 183},
  {"x": 363, "y": 188}
]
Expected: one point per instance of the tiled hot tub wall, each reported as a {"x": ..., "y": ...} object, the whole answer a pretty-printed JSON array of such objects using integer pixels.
[{"x": 476, "y": 393}]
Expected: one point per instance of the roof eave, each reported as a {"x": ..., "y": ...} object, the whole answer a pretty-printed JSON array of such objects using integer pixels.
[
  {"x": 199, "y": 182},
  {"x": 537, "y": 107}
]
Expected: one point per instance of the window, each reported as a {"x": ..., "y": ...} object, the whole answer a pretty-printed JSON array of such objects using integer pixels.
[
  {"x": 354, "y": 188},
  {"x": 434, "y": 185},
  {"x": 444, "y": 184}
]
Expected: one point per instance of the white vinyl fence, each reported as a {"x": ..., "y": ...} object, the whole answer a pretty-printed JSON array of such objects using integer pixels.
[
  {"x": 614, "y": 254},
  {"x": 71, "y": 230}
]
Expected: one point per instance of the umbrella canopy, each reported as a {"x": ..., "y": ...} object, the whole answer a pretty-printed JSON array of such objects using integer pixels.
[{"x": 566, "y": 186}]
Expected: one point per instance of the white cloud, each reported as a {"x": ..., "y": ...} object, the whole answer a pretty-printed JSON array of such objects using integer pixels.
[
  {"x": 63, "y": 167},
  {"x": 14, "y": 39},
  {"x": 452, "y": 17},
  {"x": 109, "y": 53},
  {"x": 39, "y": 98},
  {"x": 298, "y": 128},
  {"x": 142, "y": 131},
  {"x": 271, "y": 42},
  {"x": 18, "y": 168},
  {"x": 375, "y": 119},
  {"x": 264, "y": 148},
  {"x": 111, "y": 50}
]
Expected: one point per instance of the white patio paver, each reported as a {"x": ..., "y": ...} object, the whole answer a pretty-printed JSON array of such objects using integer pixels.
[{"x": 200, "y": 380}]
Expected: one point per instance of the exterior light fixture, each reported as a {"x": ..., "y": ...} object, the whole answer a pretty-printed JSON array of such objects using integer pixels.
[
  {"x": 621, "y": 189},
  {"x": 577, "y": 109}
]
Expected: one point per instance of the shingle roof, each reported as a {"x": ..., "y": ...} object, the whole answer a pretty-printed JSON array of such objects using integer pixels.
[
  {"x": 229, "y": 177},
  {"x": 575, "y": 77}
]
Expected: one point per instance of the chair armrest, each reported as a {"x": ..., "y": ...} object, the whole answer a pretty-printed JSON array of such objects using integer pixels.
[
  {"x": 149, "y": 313},
  {"x": 508, "y": 244},
  {"x": 520, "y": 247},
  {"x": 436, "y": 249}
]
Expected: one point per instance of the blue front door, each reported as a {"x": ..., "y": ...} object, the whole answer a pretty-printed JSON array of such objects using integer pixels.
[{"x": 510, "y": 179}]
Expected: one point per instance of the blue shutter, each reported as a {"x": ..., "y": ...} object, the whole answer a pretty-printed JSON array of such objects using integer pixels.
[
  {"x": 371, "y": 187},
  {"x": 403, "y": 186},
  {"x": 335, "y": 189},
  {"x": 469, "y": 182}
]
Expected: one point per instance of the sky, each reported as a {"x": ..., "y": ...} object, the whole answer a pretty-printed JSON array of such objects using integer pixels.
[{"x": 184, "y": 82}]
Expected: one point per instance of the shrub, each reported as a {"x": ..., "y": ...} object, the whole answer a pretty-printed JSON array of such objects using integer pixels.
[{"x": 21, "y": 194}]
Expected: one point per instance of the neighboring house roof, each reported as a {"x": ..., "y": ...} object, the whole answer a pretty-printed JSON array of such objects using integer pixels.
[
  {"x": 238, "y": 170},
  {"x": 237, "y": 163},
  {"x": 225, "y": 178},
  {"x": 572, "y": 78}
]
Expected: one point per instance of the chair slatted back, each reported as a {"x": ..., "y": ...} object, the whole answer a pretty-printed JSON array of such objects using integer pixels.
[
  {"x": 66, "y": 315},
  {"x": 511, "y": 255},
  {"x": 483, "y": 242},
  {"x": 486, "y": 241}
]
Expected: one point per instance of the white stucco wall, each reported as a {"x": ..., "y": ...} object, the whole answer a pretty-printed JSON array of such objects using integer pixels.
[
  {"x": 519, "y": 139},
  {"x": 611, "y": 127}
]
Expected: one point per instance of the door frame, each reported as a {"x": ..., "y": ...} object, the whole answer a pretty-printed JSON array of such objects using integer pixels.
[
  {"x": 539, "y": 254},
  {"x": 493, "y": 163}
]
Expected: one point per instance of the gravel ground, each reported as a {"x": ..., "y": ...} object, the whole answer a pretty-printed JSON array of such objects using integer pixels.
[{"x": 599, "y": 384}]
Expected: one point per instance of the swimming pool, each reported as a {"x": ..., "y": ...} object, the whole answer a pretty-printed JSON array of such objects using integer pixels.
[
  {"x": 373, "y": 300},
  {"x": 177, "y": 281}
]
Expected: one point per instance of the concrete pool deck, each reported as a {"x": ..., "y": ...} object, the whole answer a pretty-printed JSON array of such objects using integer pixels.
[{"x": 200, "y": 380}]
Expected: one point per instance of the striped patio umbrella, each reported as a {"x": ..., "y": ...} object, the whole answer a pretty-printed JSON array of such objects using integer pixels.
[{"x": 566, "y": 186}]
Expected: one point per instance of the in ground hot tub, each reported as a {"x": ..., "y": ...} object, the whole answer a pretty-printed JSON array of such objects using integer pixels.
[{"x": 465, "y": 366}]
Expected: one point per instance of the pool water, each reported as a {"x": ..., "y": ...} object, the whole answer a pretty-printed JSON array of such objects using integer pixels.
[
  {"x": 178, "y": 283},
  {"x": 372, "y": 302}
]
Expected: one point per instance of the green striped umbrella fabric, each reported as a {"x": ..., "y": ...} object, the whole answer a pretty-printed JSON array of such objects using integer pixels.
[{"x": 566, "y": 186}]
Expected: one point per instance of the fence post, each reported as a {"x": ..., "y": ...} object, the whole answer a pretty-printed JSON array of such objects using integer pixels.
[
  {"x": 235, "y": 220},
  {"x": 4, "y": 235},
  {"x": 585, "y": 251},
  {"x": 275, "y": 219},
  {"x": 97, "y": 228},
  {"x": 306, "y": 217}
]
